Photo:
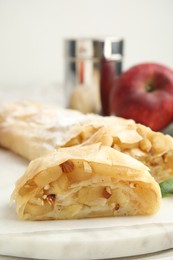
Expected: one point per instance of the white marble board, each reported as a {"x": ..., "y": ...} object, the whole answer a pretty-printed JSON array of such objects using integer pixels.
[{"x": 77, "y": 239}]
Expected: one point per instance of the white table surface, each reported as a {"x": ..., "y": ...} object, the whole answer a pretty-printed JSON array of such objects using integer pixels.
[{"x": 49, "y": 93}]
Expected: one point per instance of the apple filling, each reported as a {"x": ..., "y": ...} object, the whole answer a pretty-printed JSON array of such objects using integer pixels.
[
  {"x": 87, "y": 132},
  {"x": 155, "y": 150},
  {"x": 77, "y": 189}
]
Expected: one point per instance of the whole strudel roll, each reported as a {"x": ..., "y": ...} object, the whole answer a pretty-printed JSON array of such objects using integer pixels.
[{"x": 85, "y": 182}]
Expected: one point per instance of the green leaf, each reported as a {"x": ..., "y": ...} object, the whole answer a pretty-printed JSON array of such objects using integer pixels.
[{"x": 166, "y": 187}]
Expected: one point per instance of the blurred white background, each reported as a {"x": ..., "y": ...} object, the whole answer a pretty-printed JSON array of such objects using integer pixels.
[{"x": 32, "y": 33}]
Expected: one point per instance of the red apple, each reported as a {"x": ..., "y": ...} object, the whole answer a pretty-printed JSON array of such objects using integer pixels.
[{"x": 144, "y": 93}]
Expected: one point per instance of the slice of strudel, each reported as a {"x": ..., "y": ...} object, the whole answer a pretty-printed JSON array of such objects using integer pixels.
[{"x": 85, "y": 182}]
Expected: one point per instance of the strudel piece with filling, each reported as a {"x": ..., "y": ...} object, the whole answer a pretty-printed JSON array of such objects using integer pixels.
[{"x": 85, "y": 182}]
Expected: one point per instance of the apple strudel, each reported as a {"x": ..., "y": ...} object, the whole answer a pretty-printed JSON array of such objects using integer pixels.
[
  {"x": 32, "y": 129},
  {"x": 84, "y": 182}
]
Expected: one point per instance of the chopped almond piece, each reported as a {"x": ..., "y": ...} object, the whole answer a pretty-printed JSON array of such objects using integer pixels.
[
  {"x": 117, "y": 206},
  {"x": 51, "y": 198},
  {"x": 67, "y": 166},
  {"x": 107, "y": 192}
]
